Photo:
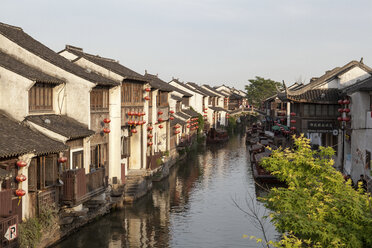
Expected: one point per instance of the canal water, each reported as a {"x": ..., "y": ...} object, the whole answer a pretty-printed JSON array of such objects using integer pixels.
[{"x": 194, "y": 207}]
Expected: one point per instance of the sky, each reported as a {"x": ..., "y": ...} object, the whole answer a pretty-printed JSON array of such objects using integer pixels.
[{"x": 206, "y": 41}]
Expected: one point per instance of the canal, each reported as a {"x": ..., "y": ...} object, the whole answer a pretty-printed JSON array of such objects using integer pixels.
[{"x": 193, "y": 207}]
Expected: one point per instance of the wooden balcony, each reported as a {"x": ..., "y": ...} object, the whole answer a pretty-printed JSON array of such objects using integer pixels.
[
  {"x": 126, "y": 109},
  {"x": 79, "y": 187},
  {"x": 5, "y": 223}
]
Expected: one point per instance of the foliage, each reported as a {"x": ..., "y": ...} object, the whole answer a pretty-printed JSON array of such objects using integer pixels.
[
  {"x": 259, "y": 89},
  {"x": 232, "y": 124},
  {"x": 166, "y": 153},
  {"x": 30, "y": 231},
  {"x": 200, "y": 123},
  {"x": 159, "y": 161},
  {"x": 318, "y": 208}
]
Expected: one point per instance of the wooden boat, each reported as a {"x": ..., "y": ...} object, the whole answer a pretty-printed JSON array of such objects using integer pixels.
[
  {"x": 260, "y": 174},
  {"x": 217, "y": 136}
]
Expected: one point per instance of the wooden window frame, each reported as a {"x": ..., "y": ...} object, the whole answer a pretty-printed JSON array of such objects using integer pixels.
[
  {"x": 125, "y": 147},
  {"x": 131, "y": 94},
  {"x": 99, "y": 156},
  {"x": 40, "y": 98},
  {"x": 72, "y": 152},
  {"x": 99, "y": 99}
]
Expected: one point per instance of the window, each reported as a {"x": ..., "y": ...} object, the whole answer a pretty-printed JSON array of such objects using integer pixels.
[
  {"x": 311, "y": 110},
  {"x": 306, "y": 110},
  {"x": 42, "y": 172},
  {"x": 98, "y": 156},
  {"x": 99, "y": 99},
  {"x": 324, "y": 110},
  {"x": 125, "y": 147},
  {"x": 318, "y": 110},
  {"x": 368, "y": 159},
  {"x": 40, "y": 98},
  {"x": 163, "y": 99},
  {"x": 131, "y": 93},
  {"x": 77, "y": 160}
]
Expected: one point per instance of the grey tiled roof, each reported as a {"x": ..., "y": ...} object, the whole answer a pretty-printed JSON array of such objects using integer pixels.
[
  {"x": 16, "y": 66},
  {"x": 17, "y": 139},
  {"x": 364, "y": 85},
  {"x": 176, "y": 121},
  {"x": 22, "y": 39},
  {"x": 218, "y": 109},
  {"x": 190, "y": 112},
  {"x": 183, "y": 115},
  {"x": 61, "y": 124},
  {"x": 157, "y": 83},
  {"x": 215, "y": 91},
  {"x": 204, "y": 91},
  {"x": 107, "y": 63},
  {"x": 177, "y": 98},
  {"x": 315, "y": 96}
]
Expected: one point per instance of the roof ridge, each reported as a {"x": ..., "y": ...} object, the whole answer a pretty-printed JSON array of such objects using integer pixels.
[
  {"x": 74, "y": 48},
  {"x": 11, "y": 26}
]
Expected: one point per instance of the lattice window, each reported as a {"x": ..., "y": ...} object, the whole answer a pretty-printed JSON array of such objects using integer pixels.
[
  {"x": 99, "y": 99},
  {"x": 41, "y": 97}
]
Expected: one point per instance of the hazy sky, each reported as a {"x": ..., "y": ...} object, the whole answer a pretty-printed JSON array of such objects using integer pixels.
[{"x": 206, "y": 41}]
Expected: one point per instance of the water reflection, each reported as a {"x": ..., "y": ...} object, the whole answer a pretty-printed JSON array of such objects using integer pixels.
[{"x": 192, "y": 208}]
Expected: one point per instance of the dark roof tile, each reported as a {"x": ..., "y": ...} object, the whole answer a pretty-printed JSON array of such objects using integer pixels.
[
  {"x": 61, "y": 124},
  {"x": 203, "y": 91}
]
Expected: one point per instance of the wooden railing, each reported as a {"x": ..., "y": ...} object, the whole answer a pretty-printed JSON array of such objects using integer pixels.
[
  {"x": 5, "y": 203},
  {"x": 95, "y": 181},
  {"x": 74, "y": 187},
  {"x": 5, "y": 223},
  {"x": 152, "y": 161}
]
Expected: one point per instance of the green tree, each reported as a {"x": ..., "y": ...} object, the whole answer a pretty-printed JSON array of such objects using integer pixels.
[
  {"x": 317, "y": 209},
  {"x": 259, "y": 89}
]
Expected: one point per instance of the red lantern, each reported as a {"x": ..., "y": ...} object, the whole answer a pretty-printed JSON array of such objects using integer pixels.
[
  {"x": 160, "y": 120},
  {"x": 340, "y": 102},
  {"x": 130, "y": 123},
  {"x": 106, "y": 120},
  {"x": 62, "y": 159},
  {"x": 205, "y": 108},
  {"x": 171, "y": 112},
  {"x": 147, "y": 89},
  {"x": 293, "y": 121},
  {"x": 347, "y": 110},
  {"x": 135, "y": 122},
  {"x": 340, "y": 110},
  {"x": 129, "y": 113},
  {"x": 20, "y": 192},
  {"x": 143, "y": 122},
  {"x": 21, "y": 178},
  {"x": 106, "y": 130},
  {"x": 146, "y": 98},
  {"x": 140, "y": 122},
  {"x": 150, "y": 135},
  {"x": 150, "y": 128},
  {"x": 282, "y": 120},
  {"x": 133, "y": 130},
  {"x": 21, "y": 164},
  {"x": 143, "y": 113},
  {"x": 149, "y": 143},
  {"x": 188, "y": 126},
  {"x": 171, "y": 118},
  {"x": 196, "y": 127},
  {"x": 139, "y": 114},
  {"x": 188, "y": 121},
  {"x": 293, "y": 114},
  {"x": 346, "y": 119},
  {"x": 339, "y": 118},
  {"x": 160, "y": 126},
  {"x": 205, "y": 115},
  {"x": 293, "y": 128},
  {"x": 160, "y": 112},
  {"x": 346, "y": 101}
]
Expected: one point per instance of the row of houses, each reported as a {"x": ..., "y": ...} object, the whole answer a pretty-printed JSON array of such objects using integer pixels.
[
  {"x": 334, "y": 110},
  {"x": 76, "y": 127}
]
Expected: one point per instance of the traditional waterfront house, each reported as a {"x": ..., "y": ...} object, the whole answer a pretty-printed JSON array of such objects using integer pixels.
[
  {"x": 131, "y": 119},
  {"x": 28, "y": 172},
  {"x": 314, "y": 107},
  {"x": 61, "y": 111},
  {"x": 358, "y": 136},
  {"x": 222, "y": 100}
]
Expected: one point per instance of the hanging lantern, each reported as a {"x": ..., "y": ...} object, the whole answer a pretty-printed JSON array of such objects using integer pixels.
[
  {"x": 293, "y": 128},
  {"x": 143, "y": 122},
  {"x": 135, "y": 123},
  {"x": 146, "y": 98},
  {"x": 21, "y": 163},
  {"x": 346, "y": 119},
  {"x": 188, "y": 121},
  {"x": 149, "y": 143},
  {"x": 20, "y": 192},
  {"x": 282, "y": 120},
  {"x": 143, "y": 113},
  {"x": 106, "y": 120},
  {"x": 196, "y": 127},
  {"x": 148, "y": 89},
  {"x": 188, "y": 126},
  {"x": 205, "y": 112},
  {"x": 177, "y": 126},
  {"x": 293, "y": 114},
  {"x": 171, "y": 118},
  {"x": 205, "y": 115},
  {"x": 160, "y": 120},
  {"x": 340, "y": 102},
  {"x": 149, "y": 128},
  {"x": 130, "y": 122},
  {"x": 150, "y": 135},
  {"x": 140, "y": 122},
  {"x": 160, "y": 112},
  {"x": 62, "y": 159},
  {"x": 205, "y": 108},
  {"x": 293, "y": 121},
  {"x": 129, "y": 113},
  {"x": 339, "y": 118},
  {"x": 160, "y": 126},
  {"x": 139, "y": 114},
  {"x": 227, "y": 117},
  {"x": 106, "y": 130},
  {"x": 347, "y": 110},
  {"x": 346, "y": 101},
  {"x": 21, "y": 178},
  {"x": 133, "y": 130},
  {"x": 171, "y": 111},
  {"x": 340, "y": 110}
]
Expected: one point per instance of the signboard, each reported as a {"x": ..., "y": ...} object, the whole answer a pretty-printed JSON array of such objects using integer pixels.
[
  {"x": 11, "y": 233},
  {"x": 320, "y": 126}
]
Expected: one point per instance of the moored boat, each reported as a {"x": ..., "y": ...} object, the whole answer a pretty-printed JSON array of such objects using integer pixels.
[{"x": 216, "y": 136}]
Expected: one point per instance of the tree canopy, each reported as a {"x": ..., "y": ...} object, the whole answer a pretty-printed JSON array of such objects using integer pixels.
[
  {"x": 259, "y": 89},
  {"x": 318, "y": 208}
]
